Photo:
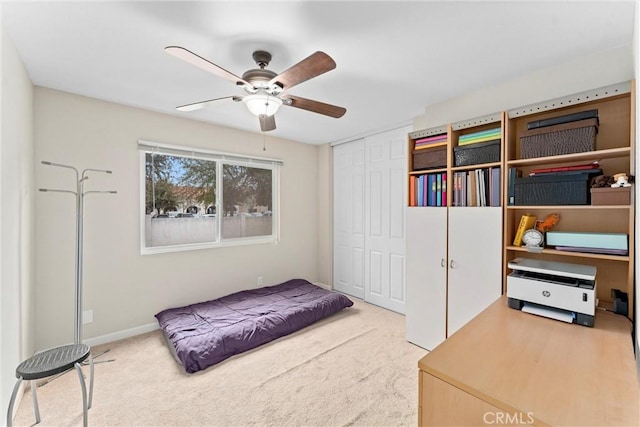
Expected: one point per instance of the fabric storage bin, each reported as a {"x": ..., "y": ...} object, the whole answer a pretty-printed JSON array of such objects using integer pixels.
[
  {"x": 555, "y": 189},
  {"x": 566, "y": 138},
  {"x": 430, "y": 158},
  {"x": 474, "y": 154}
]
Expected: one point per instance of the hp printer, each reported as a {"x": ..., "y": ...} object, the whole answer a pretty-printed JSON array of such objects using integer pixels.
[{"x": 558, "y": 290}]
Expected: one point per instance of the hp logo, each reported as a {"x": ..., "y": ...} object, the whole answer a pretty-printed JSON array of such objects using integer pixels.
[{"x": 546, "y": 294}]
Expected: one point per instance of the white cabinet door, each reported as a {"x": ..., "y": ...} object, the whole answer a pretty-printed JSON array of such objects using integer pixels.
[
  {"x": 426, "y": 269},
  {"x": 475, "y": 260},
  {"x": 349, "y": 218},
  {"x": 385, "y": 194}
]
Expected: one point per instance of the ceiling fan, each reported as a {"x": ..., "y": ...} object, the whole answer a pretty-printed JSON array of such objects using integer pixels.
[{"x": 266, "y": 90}]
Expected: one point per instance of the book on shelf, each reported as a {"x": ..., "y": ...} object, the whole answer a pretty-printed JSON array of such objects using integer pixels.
[
  {"x": 453, "y": 187},
  {"x": 438, "y": 189},
  {"x": 473, "y": 188},
  {"x": 484, "y": 136},
  {"x": 429, "y": 145},
  {"x": 432, "y": 192},
  {"x": 433, "y": 138},
  {"x": 527, "y": 221},
  {"x": 587, "y": 166}
]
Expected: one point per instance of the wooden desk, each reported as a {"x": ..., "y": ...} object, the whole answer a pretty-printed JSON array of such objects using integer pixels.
[{"x": 507, "y": 367}]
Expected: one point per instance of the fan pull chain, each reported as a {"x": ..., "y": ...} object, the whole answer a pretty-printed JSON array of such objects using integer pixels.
[{"x": 264, "y": 142}]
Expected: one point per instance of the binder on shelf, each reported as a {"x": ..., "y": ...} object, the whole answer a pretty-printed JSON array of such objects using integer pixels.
[
  {"x": 511, "y": 183},
  {"x": 432, "y": 192},
  {"x": 527, "y": 221},
  {"x": 444, "y": 189},
  {"x": 495, "y": 186},
  {"x": 412, "y": 191}
]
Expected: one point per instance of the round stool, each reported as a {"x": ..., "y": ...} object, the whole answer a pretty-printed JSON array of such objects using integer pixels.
[{"x": 51, "y": 362}]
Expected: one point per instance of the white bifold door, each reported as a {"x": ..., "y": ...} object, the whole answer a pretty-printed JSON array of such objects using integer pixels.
[{"x": 369, "y": 186}]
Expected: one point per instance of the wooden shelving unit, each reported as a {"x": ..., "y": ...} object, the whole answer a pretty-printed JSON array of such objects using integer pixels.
[
  {"x": 615, "y": 152},
  {"x": 447, "y": 283}
]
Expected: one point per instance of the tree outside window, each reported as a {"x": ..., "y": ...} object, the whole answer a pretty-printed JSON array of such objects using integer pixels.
[{"x": 181, "y": 201}]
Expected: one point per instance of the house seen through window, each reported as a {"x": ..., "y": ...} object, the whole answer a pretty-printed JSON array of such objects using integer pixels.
[{"x": 193, "y": 201}]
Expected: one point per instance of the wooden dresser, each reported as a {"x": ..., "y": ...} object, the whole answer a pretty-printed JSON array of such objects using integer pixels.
[{"x": 506, "y": 367}]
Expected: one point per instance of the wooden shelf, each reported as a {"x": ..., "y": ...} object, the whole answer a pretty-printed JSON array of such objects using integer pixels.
[
  {"x": 473, "y": 167},
  {"x": 571, "y": 254},
  {"x": 568, "y": 207},
  {"x": 427, "y": 171},
  {"x": 611, "y": 153}
]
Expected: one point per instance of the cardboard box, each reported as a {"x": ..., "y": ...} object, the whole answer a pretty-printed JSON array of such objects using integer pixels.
[{"x": 611, "y": 196}]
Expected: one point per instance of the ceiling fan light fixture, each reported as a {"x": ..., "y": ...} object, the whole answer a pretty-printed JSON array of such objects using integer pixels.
[{"x": 262, "y": 103}]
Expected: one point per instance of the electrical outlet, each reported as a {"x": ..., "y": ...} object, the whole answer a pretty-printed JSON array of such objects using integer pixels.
[
  {"x": 259, "y": 280},
  {"x": 87, "y": 317}
]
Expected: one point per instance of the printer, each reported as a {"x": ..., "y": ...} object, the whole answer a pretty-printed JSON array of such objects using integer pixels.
[{"x": 558, "y": 290}]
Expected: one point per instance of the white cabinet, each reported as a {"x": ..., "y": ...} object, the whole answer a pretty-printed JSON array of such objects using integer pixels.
[
  {"x": 426, "y": 308},
  {"x": 475, "y": 263},
  {"x": 453, "y": 269}
]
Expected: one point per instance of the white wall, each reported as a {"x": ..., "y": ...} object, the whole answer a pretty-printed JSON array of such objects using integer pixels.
[
  {"x": 590, "y": 72},
  {"x": 16, "y": 219},
  {"x": 123, "y": 288}
]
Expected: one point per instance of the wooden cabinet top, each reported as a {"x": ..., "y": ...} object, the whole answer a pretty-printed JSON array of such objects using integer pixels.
[{"x": 564, "y": 374}]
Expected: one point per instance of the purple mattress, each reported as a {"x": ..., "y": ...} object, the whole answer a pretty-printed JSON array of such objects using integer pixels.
[{"x": 209, "y": 332}]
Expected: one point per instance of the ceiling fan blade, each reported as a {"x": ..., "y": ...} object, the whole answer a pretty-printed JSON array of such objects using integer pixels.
[
  {"x": 315, "y": 106},
  {"x": 202, "y": 104},
  {"x": 200, "y": 62},
  {"x": 267, "y": 123},
  {"x": 312, "y": 66}
]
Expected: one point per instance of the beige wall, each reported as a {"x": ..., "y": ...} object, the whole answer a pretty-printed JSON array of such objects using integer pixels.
[
  {"x": 325, "y": 212},
  {"x": 123, "y": 288},
  {"x": 16, "y": 219}
]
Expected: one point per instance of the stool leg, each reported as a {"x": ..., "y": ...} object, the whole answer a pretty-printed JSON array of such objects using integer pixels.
[
  {"x": 85, "y": 422},
  {"x": 12, "y": 401},
  {"x": 90, "y": 380},
  {"x": 34, "y": 398}
]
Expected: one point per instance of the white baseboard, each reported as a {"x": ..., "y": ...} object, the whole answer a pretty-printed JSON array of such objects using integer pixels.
[
  {"x": 127, "y": 333},
  {"x": 103, "y": 339},
  {"x": 322, "y": 285}
]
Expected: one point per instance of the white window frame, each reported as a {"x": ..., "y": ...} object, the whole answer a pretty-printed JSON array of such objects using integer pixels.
[{"x": 220, "y": 158}]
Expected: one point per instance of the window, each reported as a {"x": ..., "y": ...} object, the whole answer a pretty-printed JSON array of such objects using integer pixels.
[{"x": 195, "y": 199}]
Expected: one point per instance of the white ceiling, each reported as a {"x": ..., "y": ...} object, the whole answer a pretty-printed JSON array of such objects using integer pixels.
[{"x": 393, "y": 58}]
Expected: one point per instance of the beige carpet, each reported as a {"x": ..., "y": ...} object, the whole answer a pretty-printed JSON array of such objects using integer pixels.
[{"x": 354, "y": 368}]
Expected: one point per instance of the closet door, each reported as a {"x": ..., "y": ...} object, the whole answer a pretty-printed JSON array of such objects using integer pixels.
[
  {"x": 386, "y": 169},
  {"x": 349, "y": 218}
]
